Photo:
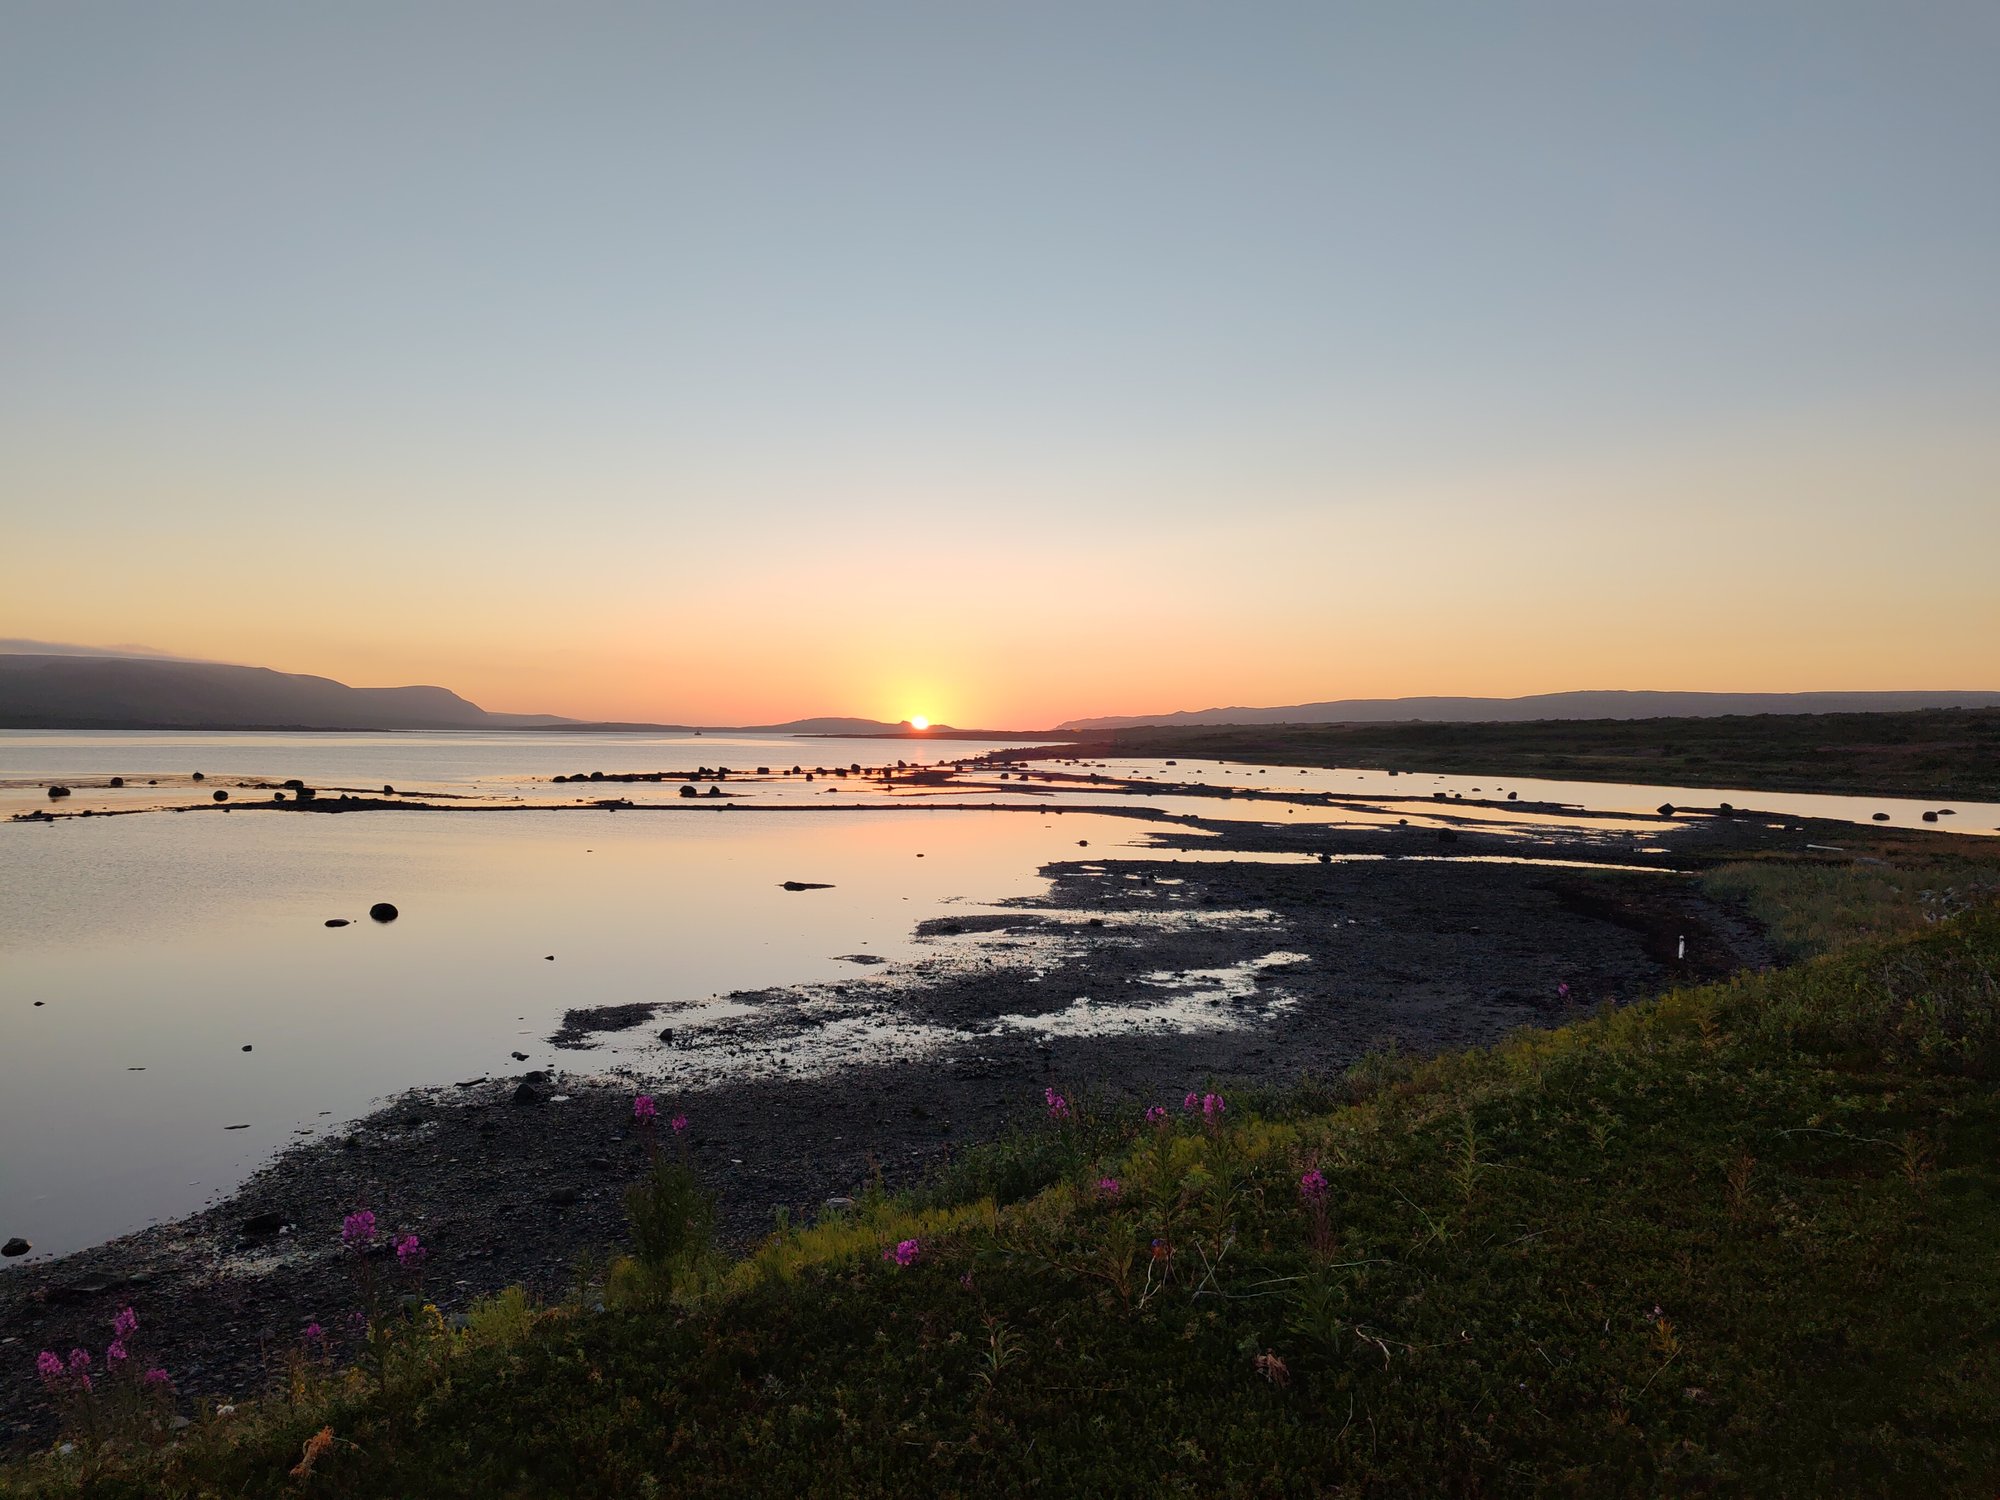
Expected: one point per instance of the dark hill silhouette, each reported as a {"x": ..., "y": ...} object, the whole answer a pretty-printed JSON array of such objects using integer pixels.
[
  {"x": 84, "y": 688},
  {"x": 1577, "y": 705},
  {"x": 113, "y": 692}
]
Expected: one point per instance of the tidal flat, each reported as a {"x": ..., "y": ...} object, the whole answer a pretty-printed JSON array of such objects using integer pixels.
[{"x": 1134, "y": 931}]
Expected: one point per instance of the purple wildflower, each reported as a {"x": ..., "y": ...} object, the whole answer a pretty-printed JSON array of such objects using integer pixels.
[
  {"x": 679, "y": 1123},
  {"x": 1191, "y": 1103},
  {"x": 904, "y": 1252},
  {"x": 126, "y": 1323},
  {"x": 49, "y": 1365},
  {"x": 1058, "y": 1106},
  {"x": 408, "y": 1250},
  {"x": 157, "y": 1376},
  {"x": 1312, "y": 1186},
  {"x": 116, "y": 1352},
  {"x": 1212, "y": 1106},
  {"x": 643, "y": 1109},
  {"x": 1109, "y": 1187},
  {"x": 1562, "y": 991},
  {"x": 79, "y": 1361},
  {"x": 358, "y": 1229},
  {"x": 314, "y": 1333},
  {"x": 1155, "y": 1114}
]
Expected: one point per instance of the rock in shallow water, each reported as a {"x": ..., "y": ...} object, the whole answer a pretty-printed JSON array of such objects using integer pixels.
[
  {"x": 383, "y": 911},
  {"x": 16, "y": 1246}
]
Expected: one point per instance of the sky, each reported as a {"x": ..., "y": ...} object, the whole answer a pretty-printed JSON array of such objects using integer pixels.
[{"x": 1010, "y": 362}]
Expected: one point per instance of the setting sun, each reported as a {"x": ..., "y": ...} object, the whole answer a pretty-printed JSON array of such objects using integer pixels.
[{"x": 918, "y": 721}]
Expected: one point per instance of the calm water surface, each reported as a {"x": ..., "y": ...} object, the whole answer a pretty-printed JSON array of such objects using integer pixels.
[{"x": 140, "y": 955}]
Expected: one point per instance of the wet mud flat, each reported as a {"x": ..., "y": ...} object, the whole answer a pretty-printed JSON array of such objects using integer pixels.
[{"x": 1229, "y": 953}]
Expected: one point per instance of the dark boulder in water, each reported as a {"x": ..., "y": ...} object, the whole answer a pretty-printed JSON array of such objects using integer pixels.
[
  {"x": 527, "y": 1093},
  {"x": 221, "y": 796},
  {"x": 199, "y": 777},
  {"x": 806, "y": 885},
  {"x": 118, "y": 781},
  {"x": 383, "y": 911},
  {"x": 1666, "y": 809},
  {"x": 336, "y": 921},
  {"x": 58, "y": 791},
  {"x": 1881, "y": 817},
  {"x": 1930, "y": 817},
  {"x": 16, "y": 1246},
  {"x": 688, "y": 791}
]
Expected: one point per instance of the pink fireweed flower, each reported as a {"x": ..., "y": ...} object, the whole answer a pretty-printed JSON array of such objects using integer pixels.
[
  {"x": 643, "y": 1109},
  {"x": 1155, "y": 1114},
  {"x": 314, "y": 1333},
  {"x": 1108, "y": 1187},
  {"x": 49, "y": 1365},
  {"x": 408, "y": 1250},
  {"x": 1212, "y": 1106},
  {"x": 1562, "y": 992},
  {"x": 1191, "y": 1103},
  {"x": 1058, "y": 1106},
  {"x": 679, "y": 1123},
  {"x": 116, "y": 1352},
  {"x": 79, "y": 1361},
  {"x": 1312, "y": 1186},
  {"x": 157, "y": 1376},
  {"x": 126, "y": 1323},
  {"x": 903, "y": 1253},
  {"x": 358, "y": 1229}
]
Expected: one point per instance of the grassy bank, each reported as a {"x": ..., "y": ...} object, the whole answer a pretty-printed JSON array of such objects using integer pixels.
[
  {"x": 1942, "y": 754},
  {"x": 1737, "y": 1239}
]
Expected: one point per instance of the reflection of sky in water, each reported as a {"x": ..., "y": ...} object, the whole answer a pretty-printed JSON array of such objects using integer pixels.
[
  {"x": 170, "y": 942},
  {"x": 488, "y": 769},
  {"x": 167, "y": 942},
  {"x": 1591, "y": 796}
]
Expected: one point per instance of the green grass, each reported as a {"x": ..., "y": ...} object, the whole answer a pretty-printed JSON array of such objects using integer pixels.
[
  {"x": 1880, "y": 886},
  {"x": 1737, "y": 1240}
]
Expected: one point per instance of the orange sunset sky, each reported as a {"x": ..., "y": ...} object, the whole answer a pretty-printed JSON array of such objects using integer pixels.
[{"x": 1006, "y": 365}]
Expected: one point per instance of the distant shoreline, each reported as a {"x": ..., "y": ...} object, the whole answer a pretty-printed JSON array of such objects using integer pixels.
[
  {"x": 687, "y": 730},
  {"x": 1946, "y": 754}
]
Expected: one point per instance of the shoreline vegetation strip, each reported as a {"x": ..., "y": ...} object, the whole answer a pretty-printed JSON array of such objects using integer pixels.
[{"x": 1736, "y": 1238}]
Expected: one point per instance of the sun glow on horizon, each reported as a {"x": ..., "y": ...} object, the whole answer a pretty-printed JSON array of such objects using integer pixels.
[{"x": 918, "y": 721}]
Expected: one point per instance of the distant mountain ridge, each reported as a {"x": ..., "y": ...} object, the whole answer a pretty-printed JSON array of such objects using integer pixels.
[
  {"x": 116, "y": 692},
  {"x": 1638, "y": 704},
  {"x": 88, "y": 688}
]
